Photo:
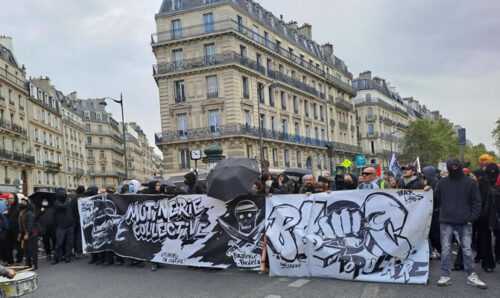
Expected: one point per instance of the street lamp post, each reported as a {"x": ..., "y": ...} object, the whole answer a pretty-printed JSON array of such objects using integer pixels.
[
  {"x": 103, "y": 103},
  {"x": 271, "y": 84}
]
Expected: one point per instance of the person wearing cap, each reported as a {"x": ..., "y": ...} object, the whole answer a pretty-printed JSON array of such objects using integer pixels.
[
  {"x": 460, "y": 207},
  {"x": 410, "y": 179}
]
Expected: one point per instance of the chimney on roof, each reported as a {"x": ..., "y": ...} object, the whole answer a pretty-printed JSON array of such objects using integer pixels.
[
  {"x": 327, "y": 49},
  {"x": 6, "y": 41},
  {"x": 379, "y": 81},
  {"x": 292, "y": 25},
  {"x": 305, "y": 30},
  {"x": 73, "y": 95},
  {"x": 366, "y": 75},
  {"x": 281, "y": 17}
]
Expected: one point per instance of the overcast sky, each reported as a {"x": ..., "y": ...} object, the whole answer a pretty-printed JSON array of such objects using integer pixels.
[{"x": 444, "y": 53}]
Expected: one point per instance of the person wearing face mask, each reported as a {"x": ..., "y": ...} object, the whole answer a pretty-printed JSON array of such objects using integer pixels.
[
  {"x": 349, "y": 182},
  {"x": 28, "y": 233},
  {"x": 460, "y": 207},
  {"x": 46, "y": 220},
  {"x": 269, "y": 184}
]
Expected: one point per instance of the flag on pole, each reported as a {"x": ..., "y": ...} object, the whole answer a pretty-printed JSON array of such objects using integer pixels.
[
  {"x": 379, "y": 169},
  {"x": 394, "y": 167},
  {"x": 417, "y": 165}
]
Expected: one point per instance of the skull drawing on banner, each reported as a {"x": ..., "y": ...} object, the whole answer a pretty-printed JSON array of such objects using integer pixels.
[
  {"x": 105, "y": 223},
  {"x": 246, "y": 213}
]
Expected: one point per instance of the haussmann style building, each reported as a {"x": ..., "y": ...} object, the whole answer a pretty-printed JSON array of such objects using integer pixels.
[{"x": 225, "y": 68}]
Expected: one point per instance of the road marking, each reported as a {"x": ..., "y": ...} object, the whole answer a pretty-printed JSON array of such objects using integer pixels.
[
  {"x": 299, "y": 283},
  {"x": 370, "y": 291},
  {"x": 284, "y": 279},
  {"x": 272, "y": 296}
]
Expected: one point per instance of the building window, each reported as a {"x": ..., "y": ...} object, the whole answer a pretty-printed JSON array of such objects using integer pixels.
[
  {"x": 249, "y": 151},
  {"x": 240, "y": 24},
  {"x": 177, "y": 59},
  {"x": 208, "y": 22},
  {"x": 316, "y": 133},
  {"x": 180, "y": 96},
  {"x": 275, "y": 157},
  {"x": 315, "y": 110},
  {"x": 245, "y": 87},
  {"x": 87, "y": 128},
  {"x": 243, "y": 52},
  {"x": 321, "y": 113},
  {"x": 87, "y": 116},
  {"x": 318, "y": 160},
  {"x": 283, "y": 100},
  {"x": 255, "y": 33},
  {"x": 370, "y": 129},
  {"x": 262, "y": 121},
  {"x": 212, "y": 90},
  {"x": 297, "y": 129},
  {"x": 260, "y": 90},
  {"x": 287, "y": 158},
  {"x": 248, "y": 118},
  {"x": 295, "y": 105},
  {"x": 266, "y": 39},
  {"x": 209, "y": 50},
  {"x": 176, "y": 4},
  {"x": 97, "y": 116},
  {"x": 271, "y": 96},
  {"x": 182, "y": 125},
  {"x": 176, "y": 29},
  {"x": 372, "y": 147},
  {"x": 269, "y": 65},
  {"x": 299, "y": 159},
  {"x": 99, "y": 128},
  {"x": 325, "y": 163},
  {"x": 306, "y": 107},
  {"x": 89, "y": 140},
  {"x": 308, "y": 132},
  {"x": 259, "y": 61},
  {"x": 214, "y": 121},
  {"x": 184, "y": 160}
]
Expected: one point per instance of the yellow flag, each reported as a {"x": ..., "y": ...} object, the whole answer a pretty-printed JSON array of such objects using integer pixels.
[{"x": 347, "y": 163}]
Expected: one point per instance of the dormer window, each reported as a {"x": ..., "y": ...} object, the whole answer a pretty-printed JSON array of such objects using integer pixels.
[{"x": 176, "y": 4}]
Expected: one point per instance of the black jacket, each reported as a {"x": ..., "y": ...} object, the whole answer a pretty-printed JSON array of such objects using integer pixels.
[
  {"x": 460, "y": 200},
  {"x": 414, "y": 184},
  {"x": 14, "y": 218},
  {"x": 494, "y": 204},
  {"x": 63, "y": 214},
  {"x": 27, "y": 223},
  {"x": 74, "y": 206}
]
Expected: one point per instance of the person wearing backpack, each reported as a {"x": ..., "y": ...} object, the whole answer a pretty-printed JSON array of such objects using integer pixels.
[{"x": 28, "y": 233}]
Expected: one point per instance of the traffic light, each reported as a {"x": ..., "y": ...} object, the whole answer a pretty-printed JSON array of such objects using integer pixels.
[{"x": 329, "y": 149}]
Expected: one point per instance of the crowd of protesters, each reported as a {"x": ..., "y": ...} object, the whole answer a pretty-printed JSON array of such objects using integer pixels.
[{"x": 466, "y": 204}]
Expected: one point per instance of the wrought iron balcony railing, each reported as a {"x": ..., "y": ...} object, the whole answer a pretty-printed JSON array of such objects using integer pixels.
[
  {"x": 19, "y": 82},
  {"x": 236, "y": 130},
  {"x": 13, "y": 128},
  {"x": 52, "y": 166},
  {"x": 6, "y": 154},
  {"x": 105, "y": 146},
  {"x": 342, "y": 103},
  {"x": 232, "y": 25}
]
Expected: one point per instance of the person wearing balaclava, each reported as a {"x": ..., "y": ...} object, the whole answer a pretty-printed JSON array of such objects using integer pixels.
[
  {"x": 493, "y": 176},
  {"x": 190, "y": 181},
  {"x": 460, "y": 207},
  {"x": 65, "y": 231}
]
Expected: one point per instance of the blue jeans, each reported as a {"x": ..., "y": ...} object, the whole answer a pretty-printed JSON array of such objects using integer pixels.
[{"x": 465, "y": 238}]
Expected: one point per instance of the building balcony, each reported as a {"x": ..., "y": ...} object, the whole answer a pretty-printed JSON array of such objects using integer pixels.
[
  {"x": 211, "y": 95},
  {"x": 230, "y": 25},
  {"x": 72, "y": 121},
  {"x": 78, "y": 171},
  {"x": 116, "y": 174},
  {"x": 52, "y": 166},
  {"x": 233, "y": 130},
  {"x": 372, "y": 135},
  {"x": 114, "y": 147},
  {"x": 390, "y": 137},
  {"x": 371, "y": 118},
  {"x": 15, "y": 156},
  {"x": 105, "y": 133},
  {"x": 12, "y": 127},
  {"x": 19, "y": 82},
  {"x": 344, "y": 104}
]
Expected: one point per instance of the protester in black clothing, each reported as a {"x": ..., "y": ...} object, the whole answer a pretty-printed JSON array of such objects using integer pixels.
[
  {"x": 284, "y": 184},
  {"x": 331, "y": 183},
  {"x": 65, "y": 223},
  {"x": 410, "y": 178},
  {"x": 492, "y": 173},
  {"x": 484, "y": 247},
  {"x": 154, "y": 187},
  {"x": 269, "y": 184},
  {"x": 190, "y": 181},
  {"x": 12, "y": 239},
  {"x": 350, "y": 182},
  {"x": 258, "y": 188},
  {"x": 339, "y": 182},
  {"x": 77, "y": 243},
  {"x": 430, "y": 175},
  {"x": 46, "y": 220},
  {"x": 28, "y": 233}
]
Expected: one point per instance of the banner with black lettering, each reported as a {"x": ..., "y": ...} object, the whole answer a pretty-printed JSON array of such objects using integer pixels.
[
  {"x": 191, "y": 230},
  {"x": 367, "y": 235}
]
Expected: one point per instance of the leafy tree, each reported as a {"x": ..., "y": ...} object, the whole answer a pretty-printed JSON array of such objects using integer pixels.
[
  {"x": 496, "y": 134},
  {"x": 431, "y": 141}
]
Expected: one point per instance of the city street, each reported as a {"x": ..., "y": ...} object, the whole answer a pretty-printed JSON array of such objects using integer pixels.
[{"x": 78, "y": 279}]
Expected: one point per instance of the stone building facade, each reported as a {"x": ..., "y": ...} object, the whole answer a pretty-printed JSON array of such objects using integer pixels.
[{"x": 225, "y": 68}]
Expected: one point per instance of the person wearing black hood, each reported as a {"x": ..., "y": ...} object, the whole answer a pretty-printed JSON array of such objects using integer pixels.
[
  {"x": 12, "y": 234},
  {"x": 80, "y": 193},
  {"x": 190, "y": 181},
  {"x": 154, "y": 187},
  {"x": 65, "y": 223},
  {"x": 492, "y": 175},
  {"x": 48, "y": 232},
  {"x": 339, "y": 182},
  {"x": 28, "y": 233},
  {"x": 350, "y": 182},
  {"x": 430, "y": 175},
  {"x": 460, "y": 207}
]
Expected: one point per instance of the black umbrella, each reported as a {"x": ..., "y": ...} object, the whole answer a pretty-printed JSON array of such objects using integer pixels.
[
  {"x": 232, "y": 177},
  {"x": 296, "y": 172},
  {"x": 38, "y": 196}
]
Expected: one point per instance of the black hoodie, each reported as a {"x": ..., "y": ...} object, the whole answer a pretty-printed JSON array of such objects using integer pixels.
[
  {"x": 63, "y": 214},
  {"x": 14, "y": 210},
  {"x": 459, "y": 197}
]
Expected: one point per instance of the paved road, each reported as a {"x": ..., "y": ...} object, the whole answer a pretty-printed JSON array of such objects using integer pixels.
[{"x": 78, "y": 279}]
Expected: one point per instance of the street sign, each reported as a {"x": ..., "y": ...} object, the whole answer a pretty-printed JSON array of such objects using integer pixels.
[
  {"x": 360, "y": 161},
  {"x": 462, "y": 140},
  {"x": 347, "y": 163}
]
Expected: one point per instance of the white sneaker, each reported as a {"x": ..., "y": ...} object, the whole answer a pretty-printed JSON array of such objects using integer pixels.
[
  {"x": 444, "y": 281},
  {"x": 473, "y": 280}
]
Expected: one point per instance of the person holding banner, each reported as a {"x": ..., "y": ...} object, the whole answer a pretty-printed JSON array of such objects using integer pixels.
[
  {"x": 460, "y": 207},
  {"x": 410, "y": 179}
]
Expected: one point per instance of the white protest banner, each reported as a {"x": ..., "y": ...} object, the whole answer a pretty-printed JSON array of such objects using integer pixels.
[{"x": 366, "y": 235}]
